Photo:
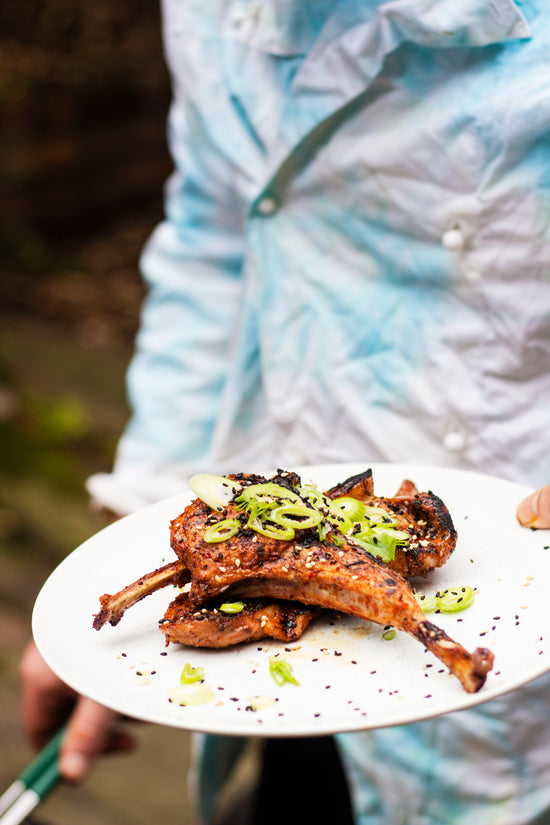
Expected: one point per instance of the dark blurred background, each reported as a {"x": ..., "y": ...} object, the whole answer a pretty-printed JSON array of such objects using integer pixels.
[{"x": 84, "y": 95}]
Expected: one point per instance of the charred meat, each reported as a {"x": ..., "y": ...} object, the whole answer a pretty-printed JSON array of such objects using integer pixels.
[
  {"x": 216, "y": 627},
  {"x": 333, "y": 573},
  {"x": 288, "y": 550},
  {"x": 423, "y": 516}
]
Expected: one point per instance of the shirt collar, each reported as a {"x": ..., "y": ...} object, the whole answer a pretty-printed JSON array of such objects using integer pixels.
[
  {"x": 354, "y": 43},
  {"x": 292, "y": 27}
]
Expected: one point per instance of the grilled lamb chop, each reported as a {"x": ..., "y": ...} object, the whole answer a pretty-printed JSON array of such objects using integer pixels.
[
  {"x": 333, "y": 573},
  {"x": 186, "y": 624},
  {"x": 206, "y": 626},
  {"x": 422, "y": 515}
]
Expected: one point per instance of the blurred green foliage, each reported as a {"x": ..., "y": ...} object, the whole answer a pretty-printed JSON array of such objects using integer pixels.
[
  {"x": 61, "y": 410},
  {"x": 49, "y": 438}
]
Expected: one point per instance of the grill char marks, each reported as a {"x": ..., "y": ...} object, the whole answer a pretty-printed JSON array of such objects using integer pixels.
[
  {"x": 186, "y": 624},
  {"x": 360, "y": 486},
  {"x": 432, "y": 532},
  {"x": 423, "y": 515}
]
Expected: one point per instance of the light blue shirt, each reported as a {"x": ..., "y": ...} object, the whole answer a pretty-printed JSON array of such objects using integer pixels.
[{"x": 355, "y": 265}]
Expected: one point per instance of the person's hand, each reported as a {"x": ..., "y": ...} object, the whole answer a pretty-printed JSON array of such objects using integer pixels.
[
  {"x": 534, "y": 510},
  {"x": 47, "y": 703}
]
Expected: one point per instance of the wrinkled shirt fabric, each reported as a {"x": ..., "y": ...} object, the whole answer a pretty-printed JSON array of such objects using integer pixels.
[{"x": 355, "y": 265}]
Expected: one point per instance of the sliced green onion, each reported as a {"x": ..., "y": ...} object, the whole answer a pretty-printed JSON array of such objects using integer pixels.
[
  {"x": 338, "y": 519},
  {"x": 399, "y": 536},
  {"x": 261, "y": 702},
  {"x": 221, "y": 531},
  {"x": 281, "y": 671},
  {"x": 427, "y": 603},
  {"x": 334, "y": 514},
  {"x": 379, "y": 515},
  {"x": 268, "y": 492},
  {"x": 351, "y": 507},
  {"x": 454, "y": 599},
  {"x": 232, "y": 607},
  {"x": 312, "y": 494},
  {"x": 216, "y": 491},
  {"x": 190, "y": 675},
  {"x": 296, "y": 515},
  {"x": 388, "y": 635},
  {"x": 191, "y": 694},
  {"x": 271, "y": 530},
  {"x": 383, "y": 549}
]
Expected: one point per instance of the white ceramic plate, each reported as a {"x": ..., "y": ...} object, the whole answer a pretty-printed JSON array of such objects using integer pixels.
[{"x": 350, "y": 677}]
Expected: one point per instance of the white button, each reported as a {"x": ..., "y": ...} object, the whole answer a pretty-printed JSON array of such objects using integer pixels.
[
  {"x": 453, "y": 239},
  {"x": 267, "y": 206},
  {"x": 454, "y": 441}
]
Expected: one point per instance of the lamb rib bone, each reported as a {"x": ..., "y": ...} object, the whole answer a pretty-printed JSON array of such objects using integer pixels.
[{"x": 114, "y": 606}]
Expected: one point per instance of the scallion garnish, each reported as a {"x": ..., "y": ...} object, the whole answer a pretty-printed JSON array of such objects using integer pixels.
[
  {"x": 216, "y": 491},
  {"x": 191, "y": 694},
  {"x": 451, "y": 600},
  {"x": 277, "y": 512},
  {"x": 232, "y": 607},
  {"x": 261, "y": 702},
  {"x": 221, "y": 530},
  {"x": 351, "y": 507},
  {"x": 427, "y": 603},
  {"x": 268, "y": 493},
  {"x": 271, "y": 530},
  {"x": 454, "y": 599},
  {"x": 281, "y": 671},
  {"x": 296, "y": 515},
  {"x": 190, "y": 675}
]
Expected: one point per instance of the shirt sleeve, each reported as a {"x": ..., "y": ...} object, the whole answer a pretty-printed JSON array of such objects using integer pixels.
[{"x": 192, "y": 268}]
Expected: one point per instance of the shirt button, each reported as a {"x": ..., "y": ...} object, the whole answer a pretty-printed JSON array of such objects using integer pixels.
[
  {"x": 454, "y": 441},
  {"x": 267, "y": 206},
  {"x": 453, "y": 239}
]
